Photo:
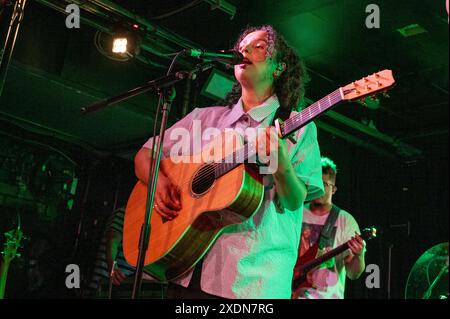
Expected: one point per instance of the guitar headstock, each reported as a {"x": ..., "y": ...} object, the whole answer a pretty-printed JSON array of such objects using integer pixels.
[
  {"x": 13, "y": 241},
  {"x": 369, "y": 233},
  {"x": 368, "y": 86}
]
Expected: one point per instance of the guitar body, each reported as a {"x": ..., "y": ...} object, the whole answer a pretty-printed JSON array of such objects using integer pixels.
[
  {"x": 299, "y": 271},
  {"x": 208, "y": 207}
]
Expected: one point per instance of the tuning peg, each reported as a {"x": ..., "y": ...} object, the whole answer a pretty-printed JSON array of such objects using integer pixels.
[
  {"x": 368, "y": 88},
  {"x": 386, "y": 95},
  {"x": 363, "y": 102},
  {"x": 379, "y": 84}
]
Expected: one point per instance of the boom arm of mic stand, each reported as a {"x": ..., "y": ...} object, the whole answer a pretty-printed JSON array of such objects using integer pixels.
[{"x": 155, "y": 85}]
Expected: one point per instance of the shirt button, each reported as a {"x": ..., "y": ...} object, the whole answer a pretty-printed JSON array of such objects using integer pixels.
[{"x": 246, "y": 119}]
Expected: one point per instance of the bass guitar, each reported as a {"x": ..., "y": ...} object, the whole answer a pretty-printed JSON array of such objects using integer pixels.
[{"x": 309, "y": 260}]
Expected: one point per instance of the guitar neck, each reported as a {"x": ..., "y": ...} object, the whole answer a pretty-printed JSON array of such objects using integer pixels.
[
  {"x": 310, "y": 113},
  {"x": 320, "y": 260},
  {"x": 288, "y": 127}
]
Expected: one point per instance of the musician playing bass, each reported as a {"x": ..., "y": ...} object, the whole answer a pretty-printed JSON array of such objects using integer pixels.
[{"x": 325, "y": 226}]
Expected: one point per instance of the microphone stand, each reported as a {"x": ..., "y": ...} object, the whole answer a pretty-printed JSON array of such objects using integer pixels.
[{"x": 164, "y": 87}]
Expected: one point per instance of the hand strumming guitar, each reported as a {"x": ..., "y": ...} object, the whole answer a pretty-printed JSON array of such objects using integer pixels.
[
  {"x": 167, "y": 197},
  {"x": 167, "y": 201}
]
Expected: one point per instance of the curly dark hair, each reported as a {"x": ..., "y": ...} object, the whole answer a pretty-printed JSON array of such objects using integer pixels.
[{"x": 290, "y": 85}]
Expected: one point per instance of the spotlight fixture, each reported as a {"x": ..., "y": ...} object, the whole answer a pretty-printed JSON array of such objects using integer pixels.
[
  {"x": 125, "y": 42},
  {"x": 120, "y": 45}
]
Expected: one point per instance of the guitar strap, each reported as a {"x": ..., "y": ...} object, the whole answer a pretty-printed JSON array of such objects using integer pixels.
[
  {"x": 281, "y": 113},
  {"x": 196, "y": 276},
  {"x": 326, "y": 236}
]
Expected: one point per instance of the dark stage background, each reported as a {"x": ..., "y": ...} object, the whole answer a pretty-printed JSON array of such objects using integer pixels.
[{"x": 64, "y": 173}]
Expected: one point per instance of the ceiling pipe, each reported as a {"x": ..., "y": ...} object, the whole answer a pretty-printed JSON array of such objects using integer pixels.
[
  {"x": 154, "y": 29},
  {"x": 90, "y": 22},
  {"x": 355, "y": 140},
  {"x": 115, "y": 11},
  {"x": 103, "y": 22},
  {"x": 402, "y": 148},
  {"x": 224, "y": 6}
]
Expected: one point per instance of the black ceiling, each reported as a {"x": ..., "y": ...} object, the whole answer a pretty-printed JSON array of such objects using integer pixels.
[{"x": 55, "y": 71}]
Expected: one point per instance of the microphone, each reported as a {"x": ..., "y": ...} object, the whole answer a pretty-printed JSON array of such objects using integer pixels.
[{"x": 231, "y": 57}]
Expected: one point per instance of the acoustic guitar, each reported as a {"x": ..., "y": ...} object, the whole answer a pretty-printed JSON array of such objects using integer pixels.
[{"x": 216, "y": 194}]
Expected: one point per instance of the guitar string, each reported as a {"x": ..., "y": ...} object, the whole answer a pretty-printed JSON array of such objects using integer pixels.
[
  {"x": 314, "y": 110},
  {"x": 242, "y": 153},
  {"x": 288, "y": 124},
  {"x": 221, "y": 168}
]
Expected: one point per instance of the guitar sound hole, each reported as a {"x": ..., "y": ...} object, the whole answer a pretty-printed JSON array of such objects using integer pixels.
[{"x": 203, "y": 179}]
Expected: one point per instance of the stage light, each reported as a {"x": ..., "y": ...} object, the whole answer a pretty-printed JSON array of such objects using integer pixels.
[
  {"x": 125, "y": 41},
  {"x": 120, "y": 45}
]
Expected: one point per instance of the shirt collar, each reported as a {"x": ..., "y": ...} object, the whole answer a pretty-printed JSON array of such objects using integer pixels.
[{"x": 258, "y": 113}]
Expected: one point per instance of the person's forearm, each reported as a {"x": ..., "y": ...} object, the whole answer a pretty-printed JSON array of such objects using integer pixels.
[
  {"x": 290, "y": 189},
  {"x": 142, "y": 165},
  {"x": 356, "y": 266},
  {"x": 112, "y": 247}
]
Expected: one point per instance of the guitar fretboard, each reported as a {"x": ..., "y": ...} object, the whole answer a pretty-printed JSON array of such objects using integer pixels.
[
  {"x": 328, "y": 255},
  {"x": 310, "y": 113},
  {"x": 248, "y": 152}
]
